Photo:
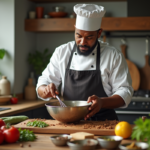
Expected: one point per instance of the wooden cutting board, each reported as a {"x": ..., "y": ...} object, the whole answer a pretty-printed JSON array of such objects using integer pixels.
[
  {"x": 145, "y": 75},
  {"x": 145, "y": 71},
  {"x": 134, "y": 72},
  {"x": 62, "y": 128}
]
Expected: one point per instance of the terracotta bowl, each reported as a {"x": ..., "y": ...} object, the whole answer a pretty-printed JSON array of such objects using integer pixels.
[
  {"x": 57, "y": 14},
  {"x": 4, "y": 99}
]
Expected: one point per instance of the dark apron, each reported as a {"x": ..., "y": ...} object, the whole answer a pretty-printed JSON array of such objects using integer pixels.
[{"x": 79, "y": 85}]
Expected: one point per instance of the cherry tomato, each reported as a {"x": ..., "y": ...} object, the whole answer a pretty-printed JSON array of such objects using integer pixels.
[
  {"x": 1, "y": 137},
  {"x": 11, "y": 134},
  {"x": 14, "y": 100},
  {"x": 2, "y": 123}
]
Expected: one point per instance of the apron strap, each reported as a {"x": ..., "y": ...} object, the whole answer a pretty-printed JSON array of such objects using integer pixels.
[
  {"x": 98, "y": 57},
  {"x": 74, "y": 48}
]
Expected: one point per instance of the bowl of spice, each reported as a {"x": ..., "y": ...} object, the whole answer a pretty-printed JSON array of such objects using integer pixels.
[
  {"x": 134, "y": 146},
  {"x": 60, "y": 140},
  {"x": 109, "y": 142}
]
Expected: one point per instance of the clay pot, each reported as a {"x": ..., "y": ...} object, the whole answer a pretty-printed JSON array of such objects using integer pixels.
[
  {"x": 32, "y": 15},
  {"x": 4, "y": 86},
  {"x": 39, "y": 12}
]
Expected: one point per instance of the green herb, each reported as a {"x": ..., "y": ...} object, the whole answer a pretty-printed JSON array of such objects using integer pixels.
[
  {"x": 39, "y": 60},
  {"x": 26, "y": 135},
  {"x": 2, "y": 53},
  {"x": 108, "y": 139},
  {"x": 37, "y": 123},
  {"x": 141, "y": 131}
]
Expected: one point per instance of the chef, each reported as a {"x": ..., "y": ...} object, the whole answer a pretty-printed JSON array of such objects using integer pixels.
[{"x": 88, "y": 69}]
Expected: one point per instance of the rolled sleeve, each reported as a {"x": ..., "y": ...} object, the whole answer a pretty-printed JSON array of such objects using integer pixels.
[{"x": 125, "y": 93}]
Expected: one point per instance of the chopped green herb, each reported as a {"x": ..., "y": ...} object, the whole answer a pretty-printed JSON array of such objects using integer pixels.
[
  {"x": 37, "y": 123},
  {"x": 108, "y": 139},
  {"x": 26, "y": 135}
]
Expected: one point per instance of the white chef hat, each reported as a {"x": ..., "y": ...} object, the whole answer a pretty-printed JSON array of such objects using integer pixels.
[{"x": 89, "y": 16}]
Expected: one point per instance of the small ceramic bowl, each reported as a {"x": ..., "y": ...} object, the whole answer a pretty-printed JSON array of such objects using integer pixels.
[
  {"x": 87, "y": 144},
  {"x": 142, "y": 145},
  {"x": 4, "y": 99},
  {"x": 58, "y": 8},
  {"x": 109, "y": 142},
  {"x": 60, "y": 140}
]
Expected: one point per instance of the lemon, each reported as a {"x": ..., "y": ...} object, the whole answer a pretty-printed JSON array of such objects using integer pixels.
[{"x": 123, "y": 129}]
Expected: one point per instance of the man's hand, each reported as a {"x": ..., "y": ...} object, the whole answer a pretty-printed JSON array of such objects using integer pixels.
[
  {"x": 46, "y": 91},
  {"x": 95, "y": 107}
]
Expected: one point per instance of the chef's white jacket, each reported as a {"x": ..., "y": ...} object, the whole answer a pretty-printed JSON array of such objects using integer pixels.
[{"x": 115, "y": 75}]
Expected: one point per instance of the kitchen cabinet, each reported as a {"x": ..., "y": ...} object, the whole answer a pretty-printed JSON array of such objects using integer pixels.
[
  {"x": 36, "y": 113},
  {"x": 32, "y": 109},
  {"x": 108, "y": 24},
  {"x": 41, "y": 113}
]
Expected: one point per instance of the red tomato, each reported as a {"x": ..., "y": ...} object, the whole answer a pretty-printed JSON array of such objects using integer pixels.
[
  {"x": 1, "y": 137},
  {"x": 2, "y": 123},
  {"x": 3, "y": 128},
  {"x": 14, "y": 100},
  {"x": 11, "y": 134}
]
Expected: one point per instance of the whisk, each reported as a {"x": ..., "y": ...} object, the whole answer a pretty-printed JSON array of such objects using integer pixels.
[{"x": 61, "y": 103}]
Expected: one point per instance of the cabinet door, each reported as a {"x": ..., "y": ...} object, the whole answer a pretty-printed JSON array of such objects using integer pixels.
[
  {"x": 129, "y": 117},
  {"x": 41, "y": 113}
]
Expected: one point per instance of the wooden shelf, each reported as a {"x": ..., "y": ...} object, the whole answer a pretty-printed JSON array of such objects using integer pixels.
[
  {"x": 108, "y": 24},
  {"x": 49, "y": 25},
  {"x": 43, "y": 1}
]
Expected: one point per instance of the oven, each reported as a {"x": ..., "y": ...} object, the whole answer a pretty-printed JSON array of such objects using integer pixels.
[{"x": 138, "y": 107}]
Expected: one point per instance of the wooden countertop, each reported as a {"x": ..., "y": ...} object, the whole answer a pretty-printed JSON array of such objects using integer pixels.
[
  {"x": 42, "y": 142},
  {"x": 22, "y": 106}
]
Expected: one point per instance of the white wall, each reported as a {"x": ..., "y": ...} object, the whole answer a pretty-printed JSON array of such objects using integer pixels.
[
  {"x": 16, "y": 41},
  {"x": 25, "y": 42},
  {"x": 7, "y": 35},
  {"x": 19, "y": 43}
]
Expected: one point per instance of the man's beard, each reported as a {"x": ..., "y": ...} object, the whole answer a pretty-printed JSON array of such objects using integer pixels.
[{"x": 86, "y": 52}]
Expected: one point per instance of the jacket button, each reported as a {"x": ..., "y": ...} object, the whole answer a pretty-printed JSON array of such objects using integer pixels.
[
  {"x": 92, "y": 53},
  {"x": 75, "y": 53},
  {"x": 92, "y": 66}
]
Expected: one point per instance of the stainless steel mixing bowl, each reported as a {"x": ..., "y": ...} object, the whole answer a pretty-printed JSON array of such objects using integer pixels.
[{"x": 75, "y": 110}]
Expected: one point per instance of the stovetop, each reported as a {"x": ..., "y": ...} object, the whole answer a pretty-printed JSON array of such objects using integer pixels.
[{"x": 139, "y": 102}]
